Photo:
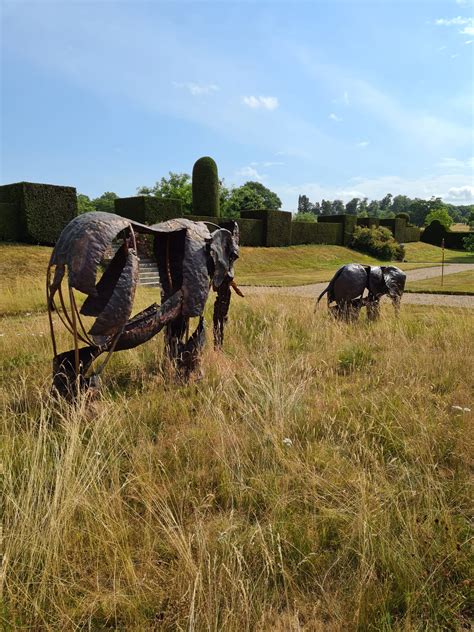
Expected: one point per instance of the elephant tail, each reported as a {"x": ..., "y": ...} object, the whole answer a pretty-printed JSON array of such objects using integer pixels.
[{"x": 323, "y": 293}]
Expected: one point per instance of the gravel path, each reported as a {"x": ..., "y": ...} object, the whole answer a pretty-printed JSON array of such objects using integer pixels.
[{"x": 448, "y": 300}]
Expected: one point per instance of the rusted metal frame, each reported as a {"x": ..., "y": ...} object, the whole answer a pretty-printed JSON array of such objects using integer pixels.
[
  {"x": 87, "y": 339},
  {"x": 50, "y": 316},
  {"x": 75, "y": 336},
  {"x": 109, "y": 354},
  {"x": 168, "y": 270},
  {"x": 70, "y": 327}
]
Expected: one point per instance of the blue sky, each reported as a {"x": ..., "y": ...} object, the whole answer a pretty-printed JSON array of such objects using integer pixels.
[{"x": 329, "y": 99}]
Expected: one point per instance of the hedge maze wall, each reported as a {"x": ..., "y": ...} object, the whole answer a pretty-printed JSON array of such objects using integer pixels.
[
  {"x": 435, "y": 232},
  {"x": 148, "y": 209},
  {"x": 35, "y": 213},
  {"x": 276, "y": 226},
  {"x": 318, "y": 233}
]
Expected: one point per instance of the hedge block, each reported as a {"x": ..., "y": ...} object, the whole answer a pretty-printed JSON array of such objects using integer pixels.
[
  {"x": 368, "y": 222},
  {"x": 435, "y": 232},
  {"x": 349, "y": 222},
  {"x": 43, "y": 210},
  {"x": 276, "y": 226},
  {"x": 412, "y": 233},
  {"x": 147, "y": 209},
  {"x": 9, "y": 222},
  {"x": 205, "y": 186},
  {"x": 250, "y": 230},
  {"x": 309, "y": 233},
  {"x": 397, "y": 225}
]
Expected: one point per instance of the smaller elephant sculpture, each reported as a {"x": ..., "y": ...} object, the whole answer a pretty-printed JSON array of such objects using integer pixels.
[{"x": 346, "y": 289}]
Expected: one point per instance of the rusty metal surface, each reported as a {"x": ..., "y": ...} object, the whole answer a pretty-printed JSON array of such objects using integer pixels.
[
  {"x": 189, "y": 259},
  {"x": 118, "y": 308}
]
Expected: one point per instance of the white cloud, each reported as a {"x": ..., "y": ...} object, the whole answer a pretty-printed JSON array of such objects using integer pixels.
[
  {"x": 454, "y": 56},
  {"x": 468, "y": 42},
  {"x": 442, "y": 48},
  {"x": 197, "y": 89},
  {"x": 363, "y": 143},
  {"x": 334, "y": 117},
  {"x": 273, "y": 164},
  {"x": 249, "y": 172},
  {"x": 458, "y": 21},
  {"x": 455, "y": 163},
  {"x": 267, "y": 103},
  {"x": 462, "y": 194},
  {"x": 468, "y": 30}
]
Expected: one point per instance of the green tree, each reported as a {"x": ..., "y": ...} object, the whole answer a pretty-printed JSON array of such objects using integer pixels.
[
  {"x": 400, "y": 204},
  {"x": 242, "y": 199},
  {"x": 326, "y": 207},
  {"x": 470, "y": 219},
  {"x": 351, "y": 207},
  {"x": 303, "y": 204},
  {"x": 338, "y": 207},
  {"x": 419, "y": 209},
  {"x": 386, "y": 203},
  {"x": 271, "y": 200},
  {"x": 176, "y": 185},
  {"x": 84, "y": 204},
  {"x": 469, "y": 243},
  {"x": 105, "y": 202},
  {"x": 374, "y": 209},
  {"x": 363, "y": 208},
  {"x": 442, "y": 215}
]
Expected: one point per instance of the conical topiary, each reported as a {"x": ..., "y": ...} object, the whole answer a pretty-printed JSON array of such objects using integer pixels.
[{"x": 205, "y": 187}]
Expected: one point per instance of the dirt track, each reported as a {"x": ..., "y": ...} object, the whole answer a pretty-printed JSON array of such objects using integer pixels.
[{"x": 315, "y": 289}]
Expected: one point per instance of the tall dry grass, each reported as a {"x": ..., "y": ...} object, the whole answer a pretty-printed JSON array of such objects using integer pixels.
[{"x": 315, "y": 479}]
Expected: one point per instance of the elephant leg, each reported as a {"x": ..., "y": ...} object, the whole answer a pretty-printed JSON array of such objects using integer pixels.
[
  {"x": 373, "y": 308},
  {"x": 67, "y": 382},
  {"x": 221, "y": 309},
  {"x": 189, "y": 353},
  {"x": 175, "y": 331}
]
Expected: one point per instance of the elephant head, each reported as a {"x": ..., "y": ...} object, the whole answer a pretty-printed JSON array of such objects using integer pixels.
[
  {"x": 224, "y": 250},
  {"x": 387, "y": 280}
]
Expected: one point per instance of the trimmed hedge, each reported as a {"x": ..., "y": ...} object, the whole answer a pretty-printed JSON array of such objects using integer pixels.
[
  {"x": 43, "y": 210},
  {"x": 306, "y": 233},
  {"x": 148, "y": 209},
  {"x": 9, "y": 222},
  {"x": 397, "y": 225},
  {"x": 276, "y": 226},
  {"x": 379, "y": 242},
  {"x": 250, "y": 230},
  {"x": 205, "y": 185},
  {"x": 368, "y": 222},
  {"x": 349, "y": 222},
  {"x": 435, "y": 232},
  {"x": 412, "y": 233}
]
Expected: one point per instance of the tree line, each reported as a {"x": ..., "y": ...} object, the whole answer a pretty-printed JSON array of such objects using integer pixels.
[
  {"x": 254, "y": 195},
  {"x": 417, "y": 209},
  {"x": 249, "y": 196}
]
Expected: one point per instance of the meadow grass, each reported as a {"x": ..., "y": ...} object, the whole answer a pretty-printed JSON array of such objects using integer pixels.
[
  {"x": 419, "y": 252},
  {"x": 316, "y": 478},
  {"x": 457, "y": 282}
]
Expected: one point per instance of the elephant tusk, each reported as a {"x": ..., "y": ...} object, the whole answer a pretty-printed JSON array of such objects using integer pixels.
[{"x": 236, "y": 289}]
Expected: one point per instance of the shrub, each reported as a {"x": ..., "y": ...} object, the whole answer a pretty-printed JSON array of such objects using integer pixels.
[
  {"x": 469, "y": 243},
  {"x": 304, "y": 217},
  {"x": 378, "y": 242},
  {"x": 205, "y": 185}
]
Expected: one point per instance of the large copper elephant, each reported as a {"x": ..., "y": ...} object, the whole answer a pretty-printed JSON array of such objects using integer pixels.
[{"x": 190, "y": 259}]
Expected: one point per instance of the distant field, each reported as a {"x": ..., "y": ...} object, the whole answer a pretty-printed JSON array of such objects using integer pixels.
[
  {"x": 458, "y": 282},
  {"x": 460, "y": 228},
  {"x": 299, "y": 265},
  {"x": 23, "y": 268},
  {"x": 419, "y": 252}
]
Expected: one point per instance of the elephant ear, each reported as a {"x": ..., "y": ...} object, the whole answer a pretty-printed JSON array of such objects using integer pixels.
[
  {"x": 224, "y": 251},
  {"x": 394, "y": 279},
  {"x": 377, "y": 280}
]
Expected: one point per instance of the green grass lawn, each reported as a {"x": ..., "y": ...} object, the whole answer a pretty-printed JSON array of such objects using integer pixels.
[
  {"x": 419, "y": 252},
  {"x": 299, "y": 265},
  {"x": 23, "y": 268},
  {"x": 461, "y": 282}
]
